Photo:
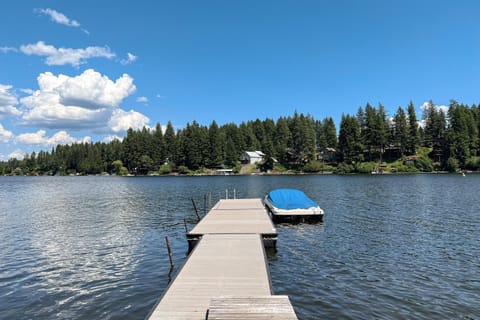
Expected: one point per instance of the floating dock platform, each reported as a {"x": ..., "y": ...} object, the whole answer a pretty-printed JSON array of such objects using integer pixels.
[
  {"x": 236, "y": 216},
  {"x": 226, "y": 275}
]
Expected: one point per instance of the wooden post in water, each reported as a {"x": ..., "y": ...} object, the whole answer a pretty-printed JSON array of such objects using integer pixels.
[
  {"x": 209, "y": 201},
  {"x": 169, "y": 253},
  {"x": 205, "y": 204},
  {"x": 196, "y": 211}
]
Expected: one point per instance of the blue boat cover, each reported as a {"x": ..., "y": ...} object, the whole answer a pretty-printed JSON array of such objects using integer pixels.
[{"x": 288, "y": 199}]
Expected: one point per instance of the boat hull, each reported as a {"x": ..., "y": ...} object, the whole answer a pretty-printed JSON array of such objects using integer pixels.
[{"x": 311, "y": 215}]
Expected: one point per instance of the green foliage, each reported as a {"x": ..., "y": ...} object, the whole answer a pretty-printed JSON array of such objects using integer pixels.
[
  {"x": 293, "y": 141},
  {"x": 313, "y": 166},
  {"x": 165, "y": 169},
  {"x": 123, "y": 171},
  {"x": 366, "y": 167},
  {"x": 349, "y": 139},
  {"x": 402, "y": 168},
  {"x": 473, "y": 163},
  {"x": 413, "y": 131},
  {"x": 424, "y": 163},
  {"x": 344, "y": 168},
  {"x": 183, "y": 170},
  {"x": 237, "y": 167},
  {"x": 279, "y": 168},
  {"x": 118, "y": 168},
  {"x": 452, "y": 164},
  {"x": 267, "y": 164}
]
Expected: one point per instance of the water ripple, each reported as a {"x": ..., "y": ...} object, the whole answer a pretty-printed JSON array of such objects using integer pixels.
[{"x": 396, "y": 247}]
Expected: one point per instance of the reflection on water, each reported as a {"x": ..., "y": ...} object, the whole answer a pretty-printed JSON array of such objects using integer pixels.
[{"x": 390, "y": 246}]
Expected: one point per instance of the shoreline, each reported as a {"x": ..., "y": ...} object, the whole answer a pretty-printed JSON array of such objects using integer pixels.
[{"x": 254, "y": 174}]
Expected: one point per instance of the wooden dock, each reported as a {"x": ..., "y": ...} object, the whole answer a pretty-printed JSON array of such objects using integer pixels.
[
  {"x": 226, "y": 275},
  {"x": 236, "y": 216}
]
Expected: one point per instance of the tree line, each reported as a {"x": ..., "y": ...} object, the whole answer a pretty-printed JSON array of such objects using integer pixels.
[{"x": 445, "y": 141}]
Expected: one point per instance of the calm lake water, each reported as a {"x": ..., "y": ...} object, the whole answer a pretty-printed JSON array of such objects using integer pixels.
[{"x": 390, "y": 247}]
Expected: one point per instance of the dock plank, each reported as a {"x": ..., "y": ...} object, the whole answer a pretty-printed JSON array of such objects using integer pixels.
[
  {"x": 251, "y": 308},
  {"x": 236, "y": 216},
  {"x": 220, "y": 265}
]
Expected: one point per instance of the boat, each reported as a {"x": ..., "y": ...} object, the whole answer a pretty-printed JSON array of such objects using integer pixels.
[{"x": 292, "y": 205}]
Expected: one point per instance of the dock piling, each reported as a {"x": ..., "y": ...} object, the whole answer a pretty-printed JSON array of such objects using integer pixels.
[
  {"x": 170, "y": 255},
  {"x": 196, "y": 210}
]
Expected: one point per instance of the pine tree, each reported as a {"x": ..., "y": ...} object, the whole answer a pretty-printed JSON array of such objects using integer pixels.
[
  {"x": 330, "y": 132},
  {"x": 158, "y": 145},
  {"x": 215, "y": 156},
  {"x": 170, "y": 143},
  {"x": 381, "y": 127},
  {"x": 414, "y": 136},
  {"x": 400, "y": 130},
  {"x": 348, "y": 138},
  {"x": 283, "y": 140}
]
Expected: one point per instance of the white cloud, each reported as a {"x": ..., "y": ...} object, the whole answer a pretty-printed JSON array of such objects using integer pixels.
[
  {"x": 89, "y": 101},
  {"x": 40, "y": 138},
  {"x": 426, "y": 106},
  {"x": 122, "y": 120},
  {"x": 9, "y": 111},
  {"x": 130, "y": 58},
  {"x": 63, "y": 56},
  {"x": 17, "y": 154},
  {"x": 91, "y": 90},
  {"x": 32, "y": 138},
  {"x": 58, "y": 17},
  {"x": 5, "y": 135},
  {"x": 8, "y": 49},
  {"x": 8, "y": 101},
  {"x": 142, "y": 99},
  {"x": 110, "y": 138},
  {"x": 27, "y": 91}
]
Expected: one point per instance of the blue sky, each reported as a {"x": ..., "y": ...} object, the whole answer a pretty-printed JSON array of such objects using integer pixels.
[{"x": 75, "y": 71}]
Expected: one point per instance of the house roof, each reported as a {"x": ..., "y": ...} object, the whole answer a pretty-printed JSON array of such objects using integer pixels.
[{"x": 255, "y": 154}]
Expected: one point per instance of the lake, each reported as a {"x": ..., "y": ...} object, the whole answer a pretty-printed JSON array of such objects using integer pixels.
[{"x": 390, "y": 247}]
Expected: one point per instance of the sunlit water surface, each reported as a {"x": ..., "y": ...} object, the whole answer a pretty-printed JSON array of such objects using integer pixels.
[{"x": 390, "y": 247}]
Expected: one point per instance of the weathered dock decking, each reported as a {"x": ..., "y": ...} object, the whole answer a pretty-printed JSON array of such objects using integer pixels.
[
  {"x": 226, "y": 275},
  {"x": 236, "y": 216}
]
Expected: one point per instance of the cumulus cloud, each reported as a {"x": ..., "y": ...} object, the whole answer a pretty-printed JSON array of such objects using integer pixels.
[
  {"x": 17, "y": 154},
  {"x": 40, "y": 138},
  {"x": 91, "y": 90},
  {"x": 89, "y": 101},
  {"x": 8, "y": 101},
  {"x": 130, "y": 58},
  {"x": 122, "y": 120},
  {"x": 142, "y": 100},
  {"x": 64, "y": 56},
  {"x": 57, "y": 17},
  {"x": 5, "y": 135}
]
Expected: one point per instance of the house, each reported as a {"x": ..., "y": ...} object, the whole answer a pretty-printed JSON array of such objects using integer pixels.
[
  {"x": 327, "y": 155},
  {"x": 410, "y": 160},
  {"x": 224, "y": 172},
  {"x": 251, "y": 157}
]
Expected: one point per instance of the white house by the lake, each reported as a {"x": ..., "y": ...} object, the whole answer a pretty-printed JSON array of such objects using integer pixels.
[{"x": 251, "y": 157}]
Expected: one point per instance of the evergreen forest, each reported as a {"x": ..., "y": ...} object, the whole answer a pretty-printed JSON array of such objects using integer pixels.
[{"x": 365, "y": 142}]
